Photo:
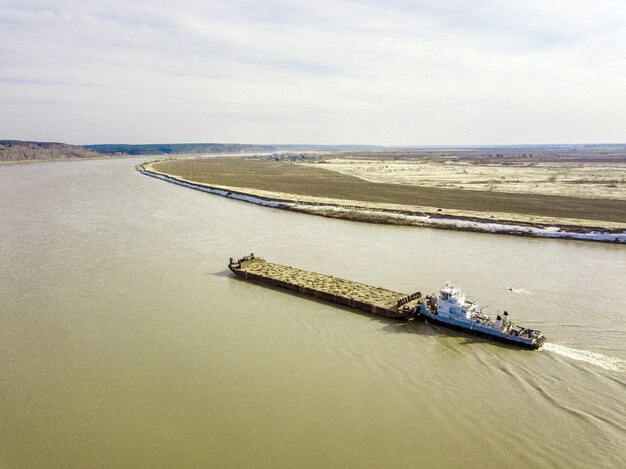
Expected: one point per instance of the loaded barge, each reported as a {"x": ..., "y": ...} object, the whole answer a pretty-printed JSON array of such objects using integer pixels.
[
  {"x": 379, "y": 301},
  {"x": 450, "y": 308}
]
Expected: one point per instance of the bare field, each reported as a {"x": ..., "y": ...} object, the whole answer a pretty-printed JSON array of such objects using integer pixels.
[
  {"x": 317, "y": 183},
  {"x": 602, "y": 180},
  {"x": 591, "y": 153}
]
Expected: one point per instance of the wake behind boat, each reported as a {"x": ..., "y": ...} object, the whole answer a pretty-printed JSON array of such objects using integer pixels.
[{"x": 453, "y": 309}]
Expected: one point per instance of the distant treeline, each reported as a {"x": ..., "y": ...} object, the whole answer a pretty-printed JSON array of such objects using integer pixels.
[
  {"x": 17, "y": 150},
  {"x": 178, "y": 148}
]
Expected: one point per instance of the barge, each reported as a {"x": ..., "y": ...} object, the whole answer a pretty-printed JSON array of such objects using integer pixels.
[
  {"x": 450, "y": 308},
  {"x": 375, "y": 300}
]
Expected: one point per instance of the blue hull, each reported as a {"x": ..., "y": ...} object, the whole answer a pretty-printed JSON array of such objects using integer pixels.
[{"x": 480, "y": 330}]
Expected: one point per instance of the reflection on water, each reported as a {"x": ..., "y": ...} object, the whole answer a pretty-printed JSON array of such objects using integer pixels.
[{"x": 126, "y": 343}]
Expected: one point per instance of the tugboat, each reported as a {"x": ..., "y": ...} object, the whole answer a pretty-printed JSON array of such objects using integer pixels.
[{"x": 453, "y": 310}]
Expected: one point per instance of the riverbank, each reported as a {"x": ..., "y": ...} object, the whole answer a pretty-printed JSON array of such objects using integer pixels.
[{"x": 399, "y": 214}]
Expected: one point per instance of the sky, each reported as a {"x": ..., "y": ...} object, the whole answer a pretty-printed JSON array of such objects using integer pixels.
[{"x": 393, "y": 72}]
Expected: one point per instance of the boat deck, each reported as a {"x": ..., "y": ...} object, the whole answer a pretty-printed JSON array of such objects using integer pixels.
[{"x": 368, "y": 298}]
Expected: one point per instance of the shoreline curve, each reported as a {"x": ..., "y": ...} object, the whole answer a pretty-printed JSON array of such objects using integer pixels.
[{"x": 397, "y": 217}]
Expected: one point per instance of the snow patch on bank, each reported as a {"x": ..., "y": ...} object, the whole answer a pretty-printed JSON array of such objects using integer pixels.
[
  {"x": 422, "y": 220},
  {"x": 212, "y": 190},
  {"x": 545, "y": 232}
]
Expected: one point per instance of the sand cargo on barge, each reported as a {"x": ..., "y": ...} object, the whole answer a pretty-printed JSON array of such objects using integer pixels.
[
  {"x": 450, "y": 309},
  {"x": 375, "y": 300}
]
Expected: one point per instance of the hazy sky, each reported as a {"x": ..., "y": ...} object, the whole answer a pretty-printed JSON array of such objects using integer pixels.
[{"x": 389, "y": 72}]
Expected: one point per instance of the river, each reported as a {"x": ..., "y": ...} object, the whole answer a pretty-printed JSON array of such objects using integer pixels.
[{"x": 125, "y": 342}]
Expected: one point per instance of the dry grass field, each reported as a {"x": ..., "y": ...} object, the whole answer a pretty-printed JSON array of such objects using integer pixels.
[
  {"x": 317, "y": 182},
  {"x": 597, "y": 180}
]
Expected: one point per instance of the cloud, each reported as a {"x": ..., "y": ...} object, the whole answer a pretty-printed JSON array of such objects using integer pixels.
[{"x": 393, "y": 72}]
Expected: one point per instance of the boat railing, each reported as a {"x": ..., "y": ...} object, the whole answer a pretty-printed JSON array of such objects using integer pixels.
[
  {"x": 238, "y": 264},
  {"x": 406, "y": 299}
]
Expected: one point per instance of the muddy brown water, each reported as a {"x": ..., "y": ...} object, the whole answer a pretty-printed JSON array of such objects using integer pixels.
[{"x": 125, "y": 341}]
